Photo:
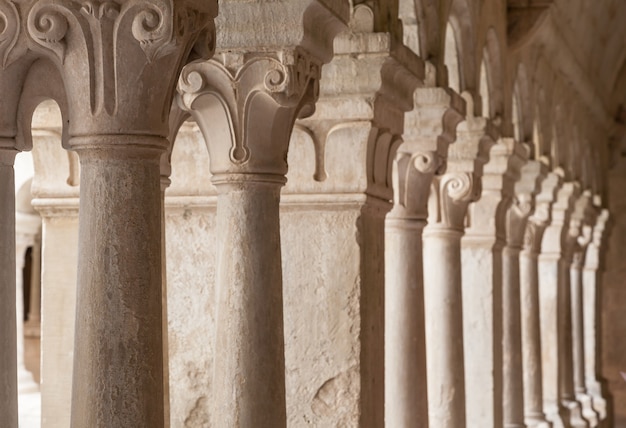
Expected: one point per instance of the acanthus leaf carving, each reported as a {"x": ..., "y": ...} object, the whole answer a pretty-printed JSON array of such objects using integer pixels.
[
  {"x": 9, "y": 30},
  {"x": 234, "y": 86}
]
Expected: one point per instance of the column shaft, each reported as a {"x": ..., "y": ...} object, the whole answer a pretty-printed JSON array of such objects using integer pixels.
[
  {"x": 511, "y": 340},
  {"x": 8, "y": 336},
  {"x": 566, "y": 349},
  {"x": 531, "y": 340},
  {"x": 549, "y": 330},
  {"x": 249, "y": 370},
  {"x": 405, "y": 357},
  {"x": 118, "y": 364},
  {"x": 444, "y": 329},
  {"x": 578, "y": 343},
  {"x": 590, "y": 317}
]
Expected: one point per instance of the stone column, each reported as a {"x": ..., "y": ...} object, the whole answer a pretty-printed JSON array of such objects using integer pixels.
[
  {"x": 347, "y": 119},
  {"x": 585, "y": 217},
  {"x": 450, "y": 195},
  {"x": 13, "y": 70},
  {"x": 554, "y": 263},
  {"x": 482, "y": 245},
  {"x": 245, "y": 106},
  {"x": 119, "y": 130},
  {"x": 8, "y": 356},
  {"x": 590, "y": 284},
  {"x": 529, "y": 290},
  {"x": 406, "y": 403},
  {"x": 515, "y": 223}
]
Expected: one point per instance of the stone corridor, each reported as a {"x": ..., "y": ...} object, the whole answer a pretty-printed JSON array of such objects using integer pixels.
[{"x": 312, "y": 213}]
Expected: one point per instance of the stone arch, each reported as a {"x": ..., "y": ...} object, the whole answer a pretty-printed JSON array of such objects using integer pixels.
[
  {"x": 410, "y": 26},
  {"x": 462, "y": 25},
  {"x": 522, "y": 112},
  {"x": 429, "y": 27},
  {"x": 451, "y": 60},
  {"x": 491, "y": 79}
]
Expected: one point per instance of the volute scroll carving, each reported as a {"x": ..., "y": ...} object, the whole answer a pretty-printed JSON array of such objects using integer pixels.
[
  {"x": 412, "y": 177},
  {"x": 449, "y": 198},
  {"x": 103, "y": 47},
  {"x": 9, "y": 30},
  {"x": 246, "y": 106}
]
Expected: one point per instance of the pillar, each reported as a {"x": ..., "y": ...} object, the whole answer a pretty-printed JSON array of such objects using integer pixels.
[
  {"x": 554, "y": 296},
  {"x": 516, "y": 219},
  {"x": 119, "y": 130},
  {"x": 534, "y": 415},
  {"x": 13, "y": 70},
  {"x": 584, "y": 217},
  {"x": 8, "y": 357},
  {"x": 451, "y": 193},
  {"x": 388, "y": 74},
  {"x": 482, "y": 256},
  {"x": 245, "y": 106},
  {"x": 416, "y": 162},
  {"x": 590, "y": 284}
]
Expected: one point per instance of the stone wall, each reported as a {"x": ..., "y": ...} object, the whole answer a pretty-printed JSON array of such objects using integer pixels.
[{"x": 613, "y": 298}]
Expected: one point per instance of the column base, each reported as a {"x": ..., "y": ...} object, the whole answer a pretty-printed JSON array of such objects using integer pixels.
[
  {"x": 572, "y": 414},
  {"x": 537, "y": 421},
  {"x": 589, "y": 413},
  {"x": 594, "y": 390}
]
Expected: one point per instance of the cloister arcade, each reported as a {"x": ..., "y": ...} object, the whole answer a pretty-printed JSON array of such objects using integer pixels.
[{"x": 328, "y": 213}]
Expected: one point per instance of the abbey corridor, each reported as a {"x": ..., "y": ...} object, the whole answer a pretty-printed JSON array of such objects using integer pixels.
[{"x": 312, "y": 213}]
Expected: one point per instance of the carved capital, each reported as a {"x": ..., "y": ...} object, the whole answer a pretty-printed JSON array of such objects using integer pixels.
[
  {"x": 488, "y": 216},
  {"x": 12, "y": 46},
  {"x": 450, "y": 195},
  {"x": 526, "y": 188},
  {"x": 594, "y": 249},
  {"x": 113, "y": 55},
  {"x": 246, "y": 105},
  {"x": 429, "y": 128},
  {"x": 533, "y": 235},
  {"x": 549, "y": 187},
  {"x": 556, "y": 237},
  {"x": 412, "y": 177},
  {"x": 516, "y": 219}
]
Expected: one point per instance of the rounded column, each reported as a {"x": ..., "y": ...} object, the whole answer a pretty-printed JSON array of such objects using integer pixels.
[
  {"x": 442, "y": 277},
  {"x": 249, "y": 377},
  {"x": 534, "y": 415},
  {"x": 8, "y": 356},
  {"x": 119, "y": 382},
  {"x": 406, "y": 403},
  {"x": 245, "y": 107},
  {"x": 590, "y": 317}
]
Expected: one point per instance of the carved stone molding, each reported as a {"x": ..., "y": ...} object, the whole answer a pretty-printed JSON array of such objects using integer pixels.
[
  {"x": 246, "y": 105},
  {"x": 104, "y": 48},
  {"x": 556, "y": 236},
  {"x": 506, "y": 158},
  {"x": 579, "y": 233},
  {"x": 523, "y": 204},
  {"x": 429, "y": 129},
  {"x": 540, "y": 218},
  {"x": 369, "y": 82},
  {"x": 594, "y": 249}
]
